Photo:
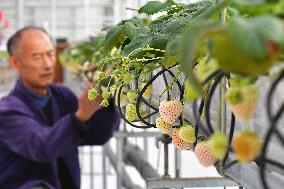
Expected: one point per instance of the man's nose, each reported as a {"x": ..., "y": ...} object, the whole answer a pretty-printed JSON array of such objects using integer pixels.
[{"x": 48, "y": 61}]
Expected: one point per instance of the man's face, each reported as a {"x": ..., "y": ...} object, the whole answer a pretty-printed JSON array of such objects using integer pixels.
[{"x": 35, "y": 59}]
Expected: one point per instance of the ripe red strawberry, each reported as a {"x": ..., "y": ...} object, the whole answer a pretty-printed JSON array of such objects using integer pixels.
[
  {"x": 245, "y": 109},
  {"x": 204, "y": 154},
  {"x": 130, "y": 112},
  {"x": 170, "y": 110},
  {"x": 178, "y": 142},
  {"x": 246, "y": 145},
  {"x": 187, "y": 133},
  {"x": 163, "y": 126}
]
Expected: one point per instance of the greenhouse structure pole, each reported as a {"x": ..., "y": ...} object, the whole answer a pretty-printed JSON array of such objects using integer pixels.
[
  {"x": 126, "y": 181},
  {"x": 21, "y": 13}
]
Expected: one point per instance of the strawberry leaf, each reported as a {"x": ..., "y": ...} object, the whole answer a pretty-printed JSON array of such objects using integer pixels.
[{"x": 153, "y": 7}]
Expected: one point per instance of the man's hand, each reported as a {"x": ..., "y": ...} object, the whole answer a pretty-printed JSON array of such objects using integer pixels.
[{"x": 87, "y": 107}]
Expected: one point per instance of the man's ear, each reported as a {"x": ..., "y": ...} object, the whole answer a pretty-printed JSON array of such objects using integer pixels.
[{"x": 13, "y": 61}]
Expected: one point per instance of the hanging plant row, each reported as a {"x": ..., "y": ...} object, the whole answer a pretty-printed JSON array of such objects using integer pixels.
[{"x": 191, "y": 52}]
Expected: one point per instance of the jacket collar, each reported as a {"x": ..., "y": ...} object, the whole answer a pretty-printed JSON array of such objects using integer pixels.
[{"x": 39, "y": 100}]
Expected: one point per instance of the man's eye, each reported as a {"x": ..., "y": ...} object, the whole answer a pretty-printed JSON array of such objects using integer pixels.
[
  {"x": 37, "y": 57},
  {"x": 51, "y": 54}
]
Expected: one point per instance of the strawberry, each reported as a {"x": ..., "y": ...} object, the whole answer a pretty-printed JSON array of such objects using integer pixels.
[
  {"x": 178, "y": 142},
  {"x": 163, "y": 126},
  {"x": 105, "y": 95},
  {"x": 104, "y": 103},
  {"x": 245, "y": 108},
  {"x": 126, "y": 77},
  {"x": 252, "y": 54},
  {"x": 246, "y": 146},
  {"x": 132, "y": 96},
  {"x": 92, "y": 94},
  {"x": 130, "y": 112},
  {"x": 148, "y": 92},
  {"x": 190, "y": 94},
  {"x": 170, "y": 110},
  {"x": 234, "y": 95},
  {"x": 219, "y": 144},
  {"x": 204, "y": 154},
  {"x": 187, "y": 133}
]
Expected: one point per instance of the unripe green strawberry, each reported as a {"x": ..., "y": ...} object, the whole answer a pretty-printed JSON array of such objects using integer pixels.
[
  {"x": 252, "y": 54},
  {"x": 130, "y": 112},
  {"x": 190, "y": 94},
  {"x": 234, "y": 95},
  {"x": 105, "y": 95},
  {"x": 170, "y": 110},
  {"x": 126, "y": 77},
  {"x": 187, "y": 133},
  {"x": 101, "y": 75},
  {"x": 123, "y": 98},
  {"x": 204, "y": 154},
  {"x": 178, "y": 142},
  {"x": 92, "y": 94},
  {"x": 206, "y": 68},
  {"x": 148, "y": 92},
  {"x": 246, "y": 108},
  {"x": 163, "y": 126},
  {"x": 219, "y": 144},
  {"x": 104, "y": 103},
  {"x": 246, "y": 146},
  {"x": 132, "y": 96}
]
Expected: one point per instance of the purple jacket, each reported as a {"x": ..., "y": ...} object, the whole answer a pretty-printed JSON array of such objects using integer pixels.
[{"x": 30, "y": 147}]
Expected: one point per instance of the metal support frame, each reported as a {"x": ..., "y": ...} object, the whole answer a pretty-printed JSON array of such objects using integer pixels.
[
  {"x": 190, "y": 182},
  {"x": 135, "y": 156},
  {"x": 53, "y": 19},
  {"x": 21, "y": 13},
  {"x": 126, "y": 181},
  {"x": 248, "y": 176}
]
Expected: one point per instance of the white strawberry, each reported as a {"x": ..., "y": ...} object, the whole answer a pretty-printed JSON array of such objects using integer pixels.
[
  {"x": 170, "y": 110},
  {"x": 245, "y": 109},
  {"x": 246, "y": 145},
  {"x": 163, "y": 126},
  {"x": 204, "y": 154}
]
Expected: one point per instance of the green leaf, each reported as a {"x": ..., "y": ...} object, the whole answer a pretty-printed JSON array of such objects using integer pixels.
[
  {"x": 207, "y": 12},
  {"x": 131, "y": 31},
  {"x": 189, "y": 42},
  {"x": 3, "y": 54},
  {"x": 250, "y": 2},
  {"x": 153, "y": 7},
  {"x": 159, "y": 41},
  {"x": 140, "y": 41},
  {"x": 107, "y": 81},
  {"x": 114, "y": 37}
]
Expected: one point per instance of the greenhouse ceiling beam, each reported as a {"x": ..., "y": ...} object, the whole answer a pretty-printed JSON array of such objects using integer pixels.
[
  {"x": 248, "y": 176},
  {"x": 190, "y": 182}
]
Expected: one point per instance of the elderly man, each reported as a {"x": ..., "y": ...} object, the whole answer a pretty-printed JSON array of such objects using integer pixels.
[{"x": 41, "y": 124}]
